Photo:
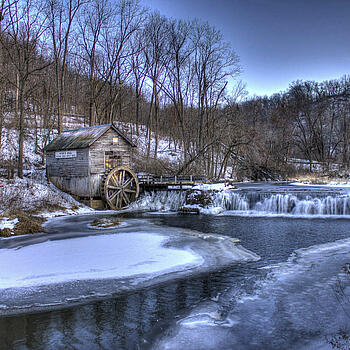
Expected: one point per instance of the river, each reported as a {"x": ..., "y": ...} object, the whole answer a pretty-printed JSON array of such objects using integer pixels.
[{"x": 294, "y": 297}]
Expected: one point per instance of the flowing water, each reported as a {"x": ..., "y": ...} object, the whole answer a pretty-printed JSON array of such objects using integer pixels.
[
  {"x": 292, "y": 200},
  {"x": 295, "y": 297}
]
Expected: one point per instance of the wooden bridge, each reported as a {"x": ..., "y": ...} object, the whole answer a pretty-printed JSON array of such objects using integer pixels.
[{"x": 176, "y": 183}]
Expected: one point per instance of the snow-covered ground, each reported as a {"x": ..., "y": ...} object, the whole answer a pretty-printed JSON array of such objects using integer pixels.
[
  {"x": 25, "y": 197},
  {"x": 166, "y": 148},
  {"x": 9, "y": 148},
  {"x": 8, "y": 223},
  {"x": 30, "y": 194},
  {"x": 35, "y": 197}
]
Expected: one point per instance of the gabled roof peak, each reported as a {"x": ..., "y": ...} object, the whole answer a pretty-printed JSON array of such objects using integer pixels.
[{"x": 83, "y": 137}]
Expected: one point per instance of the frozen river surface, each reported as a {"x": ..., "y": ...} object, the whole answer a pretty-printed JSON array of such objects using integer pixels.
[
  {"x": 200, "y": 292},
  {"x": 77, "y": 261}
]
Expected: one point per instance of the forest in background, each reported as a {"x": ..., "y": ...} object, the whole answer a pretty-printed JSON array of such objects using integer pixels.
[{"x": 104, "y": 61}]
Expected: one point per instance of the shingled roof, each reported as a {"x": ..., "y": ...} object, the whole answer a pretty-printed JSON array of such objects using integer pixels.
[{"x": 82, "y": 138}]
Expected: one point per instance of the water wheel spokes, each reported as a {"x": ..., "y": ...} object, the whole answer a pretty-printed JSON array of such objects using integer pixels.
[{"x": 120, "y": 188}]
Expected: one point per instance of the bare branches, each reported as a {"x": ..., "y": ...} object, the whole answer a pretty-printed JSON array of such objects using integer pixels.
[
  {"x": 113, "y": 60},
  {"x": 62, "y": 22}
]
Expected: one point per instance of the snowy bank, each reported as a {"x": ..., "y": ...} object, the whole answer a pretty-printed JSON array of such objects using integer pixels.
[
  {"x": 33, "y": 198},
  {"x": 221, "y": 186},
  {"x": 330, "y": 184},
  {"x": 34, "y": 194}
]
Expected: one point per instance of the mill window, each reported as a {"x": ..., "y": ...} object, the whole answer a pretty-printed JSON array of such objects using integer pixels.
[{"x": 112, "y": 159}]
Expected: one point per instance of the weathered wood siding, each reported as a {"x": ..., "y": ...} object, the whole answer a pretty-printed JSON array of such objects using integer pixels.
[
  {"x": 70, "y": 174},
  {"x": 95, "y": 185},
  {"x": 68, "y": 167},
  {"x": 76, "y": 185},
  {"x": 105, "y": 143}
]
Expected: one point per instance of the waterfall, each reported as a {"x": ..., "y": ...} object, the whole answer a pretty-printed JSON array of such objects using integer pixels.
[
  {"x": 252, "y": 201},
  {"x": 284, "y": 203},
  {"x": 160, "y": 201},
  {"x": 230, "y": 200},
  {"x": 278, "y": 203}
]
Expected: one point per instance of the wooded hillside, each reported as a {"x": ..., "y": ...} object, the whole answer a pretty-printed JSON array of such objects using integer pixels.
[{"x": 98, "y": 61}]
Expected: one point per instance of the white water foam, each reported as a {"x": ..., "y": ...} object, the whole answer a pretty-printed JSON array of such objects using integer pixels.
[
  {"x": 160, "y": 201},
  {"x": 240, "y": 203}
]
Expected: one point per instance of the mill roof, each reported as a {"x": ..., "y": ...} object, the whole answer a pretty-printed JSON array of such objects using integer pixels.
[{"x": 83, "y": 137}]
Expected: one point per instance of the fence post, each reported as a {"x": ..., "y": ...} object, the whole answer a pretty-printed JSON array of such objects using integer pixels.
[{"x": 175, "y": 179}]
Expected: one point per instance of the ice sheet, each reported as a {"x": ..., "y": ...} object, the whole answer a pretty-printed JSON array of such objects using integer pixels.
[
  {"x": 103, "y": 256},
  {"x": 302, "y": 304},
  {"x": 74, "y": 263}
]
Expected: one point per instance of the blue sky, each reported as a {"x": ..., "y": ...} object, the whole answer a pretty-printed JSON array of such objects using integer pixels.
[{"x": 278, "y": 41}]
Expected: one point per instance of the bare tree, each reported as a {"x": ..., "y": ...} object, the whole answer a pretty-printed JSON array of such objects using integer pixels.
[
  {"x": 155, "y": 53},
  {"x": 62, "y": 15},
  {"x": 214, "y": 64},
  {"x": 26, "y": 25},
  {"x": 94, "y": 18},
  {"x": 4, "y": 10},
  {"x": 139, "y": 68},
  {"x": 179, "y": 74},
  {"x": 117, "y": 51}
]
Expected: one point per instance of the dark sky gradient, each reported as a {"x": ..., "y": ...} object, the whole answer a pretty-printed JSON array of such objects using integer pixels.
[{"x": 278, "y": 41}]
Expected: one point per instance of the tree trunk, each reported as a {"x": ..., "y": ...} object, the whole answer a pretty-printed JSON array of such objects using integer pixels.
[
  {"x": 59, "y": 97},
  {"x": 91, "y": 112},
  {"x": 20, "y": 132},
  {"x": 137, "y": 107},
  {"x": 149, "y": 126},
  {"x": 1, "y": 115},
  {"x": 156, "y": 126}
]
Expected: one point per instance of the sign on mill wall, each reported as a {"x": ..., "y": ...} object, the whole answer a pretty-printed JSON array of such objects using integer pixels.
[{"x": 65, "y": 154}]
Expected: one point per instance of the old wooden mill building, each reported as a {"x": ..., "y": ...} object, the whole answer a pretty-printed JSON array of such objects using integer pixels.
[{"x": 94, "y": 165}]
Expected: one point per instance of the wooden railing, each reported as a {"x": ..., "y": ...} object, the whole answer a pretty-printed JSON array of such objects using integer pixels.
[{"x": 170, "y": 180}]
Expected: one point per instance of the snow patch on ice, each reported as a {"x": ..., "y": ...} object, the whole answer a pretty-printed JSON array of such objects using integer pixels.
[
  {"x": 93, "y": 257},
  {"x": 211, "y": 210},
  {"x": 134, "y": 256}
]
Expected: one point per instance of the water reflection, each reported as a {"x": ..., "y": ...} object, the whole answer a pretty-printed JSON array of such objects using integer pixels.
[
  {"x": 128, "y": 321},
  {"x": 124, "y": 322}
]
